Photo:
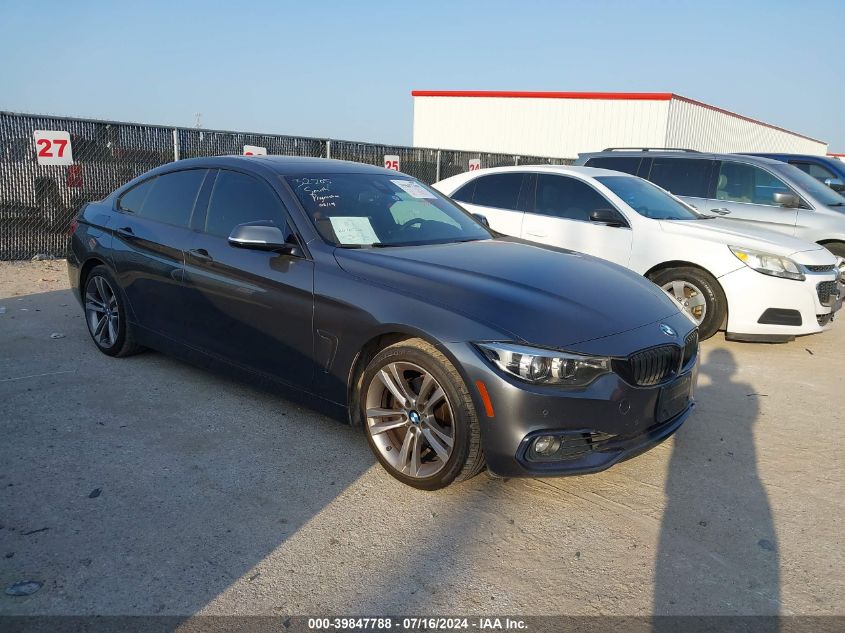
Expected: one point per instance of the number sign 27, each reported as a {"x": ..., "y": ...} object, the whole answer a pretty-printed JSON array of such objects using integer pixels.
[{"x": 52, "y": 147}]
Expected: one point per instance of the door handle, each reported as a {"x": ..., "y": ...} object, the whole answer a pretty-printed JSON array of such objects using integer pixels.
[
  {"x": 720, "y": 211},
  {"x": 200, "y": 254},
  {"x": 126, "y": 232}
]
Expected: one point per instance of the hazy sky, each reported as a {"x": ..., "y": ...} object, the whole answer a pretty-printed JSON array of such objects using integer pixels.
[{"x": 346, "y": 69}]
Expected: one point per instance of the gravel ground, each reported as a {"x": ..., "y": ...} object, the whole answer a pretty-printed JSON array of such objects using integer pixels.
[{"x": 146, "y": 486}]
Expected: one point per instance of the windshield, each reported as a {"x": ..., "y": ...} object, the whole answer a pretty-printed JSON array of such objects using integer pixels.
[
  {"x": 648, "y": 199},
  {"x": 820, "y": 191},
  {"x": 355, "y": 210}
]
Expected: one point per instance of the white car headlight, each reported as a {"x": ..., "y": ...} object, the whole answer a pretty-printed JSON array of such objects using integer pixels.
[
  {"x": 545, "y": 366},
  {"x": 768, "y": 264}
]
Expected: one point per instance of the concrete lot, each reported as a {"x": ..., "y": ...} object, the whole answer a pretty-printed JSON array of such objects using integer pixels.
[{"x": 146, "y": 486}]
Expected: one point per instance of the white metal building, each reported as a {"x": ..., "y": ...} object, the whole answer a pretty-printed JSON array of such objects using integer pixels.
[{"x": 564, "y": 124}]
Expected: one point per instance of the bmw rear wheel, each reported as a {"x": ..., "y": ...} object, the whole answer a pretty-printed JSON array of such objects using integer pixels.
[
  {"x": 700, "y": 295},
  {"x": 419, "y": 417},
  {"x": 105, "y": 314}
]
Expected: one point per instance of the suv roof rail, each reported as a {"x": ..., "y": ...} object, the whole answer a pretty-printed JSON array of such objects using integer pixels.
[{"x": 650, "y": 149}]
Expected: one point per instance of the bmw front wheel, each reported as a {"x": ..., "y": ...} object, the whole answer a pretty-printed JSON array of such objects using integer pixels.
[{"x": 419, "y": 417}]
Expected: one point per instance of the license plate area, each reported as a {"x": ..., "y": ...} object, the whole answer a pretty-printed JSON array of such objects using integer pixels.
[{"x": 674, "y": 398}]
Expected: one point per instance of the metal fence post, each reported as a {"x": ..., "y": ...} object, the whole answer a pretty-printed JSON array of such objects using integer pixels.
[
  {"x": 328, "y": 148},
  {"x": 516, "y": 160},
  {"x": 437, "y": 169},
  {"x": 175, "y": 144}
]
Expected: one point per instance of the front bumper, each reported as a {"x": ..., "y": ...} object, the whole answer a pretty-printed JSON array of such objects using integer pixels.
[
  {"x": 751, "y": 294},
  {"x": 609, "y": 406}
]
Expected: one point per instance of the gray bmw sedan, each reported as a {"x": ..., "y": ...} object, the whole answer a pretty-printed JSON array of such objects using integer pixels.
[{"x": 371, "y": 296}]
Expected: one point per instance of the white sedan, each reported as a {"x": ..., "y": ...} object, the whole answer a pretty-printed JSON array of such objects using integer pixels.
[{"x": 754, "y": 284}]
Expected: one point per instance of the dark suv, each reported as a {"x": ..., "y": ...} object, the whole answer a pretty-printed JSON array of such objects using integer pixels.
[
  {"x": 765, "y": 193},
  {"x": 830, "y": 171}
]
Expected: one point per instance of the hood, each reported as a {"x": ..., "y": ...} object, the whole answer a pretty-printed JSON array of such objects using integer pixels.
[
  {"x": 540, "y": 295},
  {"x": 739, "y": 233}
]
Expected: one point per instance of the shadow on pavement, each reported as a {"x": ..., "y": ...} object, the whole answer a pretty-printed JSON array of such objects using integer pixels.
[
  {"x": 143, "y": 485},
  {"x": 717, "y": 518}
]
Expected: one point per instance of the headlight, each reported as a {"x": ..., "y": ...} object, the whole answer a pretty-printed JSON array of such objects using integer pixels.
[
  {"x": 545, "y": 366},
  {"x": 768, "y": 264}
]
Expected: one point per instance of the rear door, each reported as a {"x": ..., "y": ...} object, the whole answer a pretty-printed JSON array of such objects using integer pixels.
[
  {"x": 688, "y": 178},
  {"x": 746, "y": 191},
  {"x": 250, "y": 307},
  {"x": 500, "y": 197},
  {"x": 560, "y": 216},
  {"x": 151, "y": 234}
]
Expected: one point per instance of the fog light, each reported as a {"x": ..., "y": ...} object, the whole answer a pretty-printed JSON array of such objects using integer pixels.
[{"x": 546, "y": 445}]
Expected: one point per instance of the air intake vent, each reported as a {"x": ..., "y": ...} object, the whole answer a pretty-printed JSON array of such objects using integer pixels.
[{"x": 650, "y": 366}]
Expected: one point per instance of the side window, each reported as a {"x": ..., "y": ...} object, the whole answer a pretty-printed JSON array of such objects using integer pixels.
[
  {"x": 498, "y": 190},
  {"x": 740, "y": 182},
  {"x": 816, "y": 171},
  {"x": 172, "y": 197},
  {"x": 568, "y": 198},
  {"x": 626, "y": 164},
  {"x": 465, "y": 193},
  {"x": 133, "y": 199},
  {"x": 681, "y": 176},
  {"x": 236, "y": 199}
]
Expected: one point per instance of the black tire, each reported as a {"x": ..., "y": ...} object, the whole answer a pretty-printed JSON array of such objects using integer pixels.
[
  {"x": 123, "y": 342},
  {"x": 466, "y": 458},
  {"x": 714, "y": 298}
]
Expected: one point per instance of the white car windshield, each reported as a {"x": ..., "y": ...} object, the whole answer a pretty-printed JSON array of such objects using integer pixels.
[{"x": 648, "y": 199}]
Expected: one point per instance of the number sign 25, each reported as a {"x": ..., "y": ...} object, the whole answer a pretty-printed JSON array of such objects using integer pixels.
[
  {"x": 391, "y": 161},
  {"x": 52, "y": 147}
]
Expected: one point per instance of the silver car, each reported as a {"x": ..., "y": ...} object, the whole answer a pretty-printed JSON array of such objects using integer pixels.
[{"x": 762, "y": 192}]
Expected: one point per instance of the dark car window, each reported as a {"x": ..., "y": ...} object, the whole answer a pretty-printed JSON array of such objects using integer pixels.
[
  {"x": 568, "y": 198},
  {"x": 172, "y": 197},
  {"x": 498, "y": 190},
  {"x": 366, "y": 209},
  {"x": 681, "y": 176},
  {"x": 236, "y": 199},
  {"x": 740, "y": 182},
  {"x": 626, "y": 164},
  {"x": 816, "y": 171},
  {"x": 465, "y": 193},
  {"x": 133, "y": 199}
]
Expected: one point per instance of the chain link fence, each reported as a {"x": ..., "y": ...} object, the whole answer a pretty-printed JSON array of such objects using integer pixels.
[{"x": 38, "y": 201}]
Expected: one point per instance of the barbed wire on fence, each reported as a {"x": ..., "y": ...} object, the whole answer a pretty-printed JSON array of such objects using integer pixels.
[{"x": 38, "y": 201}]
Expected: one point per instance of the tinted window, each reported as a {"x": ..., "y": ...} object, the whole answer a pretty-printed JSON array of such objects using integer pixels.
[
  {"x": 646, "y": 199},
  {"x": 568, "y": 198},
  {"x": 629, "y": 165},
  {"x": 133, "y": 199},
  {"x": 740, "y": 182},
  {"x": 681, "y": 176},
  {"x": 465, "y": 193},
  {"x": 816, "y": 171},
  {"x": 172, "y": 197},
  {"x": 237, "y": 199},
  {"x": 498, "y": 190}
]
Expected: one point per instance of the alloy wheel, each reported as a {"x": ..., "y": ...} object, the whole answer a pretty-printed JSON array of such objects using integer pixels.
[
  {"x": 410, "y": 419},
  {"x": 690, "y": 296},
  {"x": 101, "y": 311}
]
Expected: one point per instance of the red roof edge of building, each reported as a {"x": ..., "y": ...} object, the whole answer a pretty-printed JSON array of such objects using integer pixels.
[
  {"x": 835, "y": 154},
  {"x": 511, "y": 94},
  {"x": 608, "y": 96}
]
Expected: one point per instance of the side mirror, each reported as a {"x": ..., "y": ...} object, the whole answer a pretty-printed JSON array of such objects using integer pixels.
[
  {"x": 262, "y": 237},
  {"x": 786, "y": 199},
  {"x": 835, "y": 183},
  {"x": 606, "y": 216},
  {"x": 482, "y": 219}
]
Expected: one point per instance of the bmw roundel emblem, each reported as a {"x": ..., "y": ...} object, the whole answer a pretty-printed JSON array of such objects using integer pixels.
[{"x": 668, "y": 330}]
